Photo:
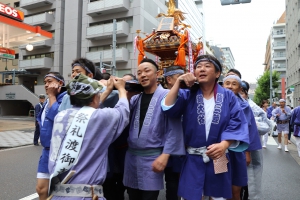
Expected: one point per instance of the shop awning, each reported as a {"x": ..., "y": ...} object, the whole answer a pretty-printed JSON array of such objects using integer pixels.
[{"x": 14, "y": 33}]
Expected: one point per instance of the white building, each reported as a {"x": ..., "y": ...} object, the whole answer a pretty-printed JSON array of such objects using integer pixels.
[
  {"x": 229, "y": 59},
  {"x": 293, "y": 51},
  {"x": 278, "y": 53}
]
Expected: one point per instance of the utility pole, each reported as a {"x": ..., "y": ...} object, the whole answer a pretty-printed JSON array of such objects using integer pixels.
[
  {"x": 114, "y": 46},
  {"x": 114, "y": 42},
  {"x": 271, "y": 86}
]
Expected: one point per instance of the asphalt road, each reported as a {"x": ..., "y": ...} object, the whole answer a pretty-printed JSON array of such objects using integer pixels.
[{"x": 281, "y": 176}]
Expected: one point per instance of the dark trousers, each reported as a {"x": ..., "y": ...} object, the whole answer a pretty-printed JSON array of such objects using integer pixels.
[
  {"x": 244, "y": 193},
  {"x": 291, "y": 129},
  {"x": 113, "y": 187},
  {"x": 36, "y": 133},
  {"x": 136, "y": 194},
  {"x": 172, "y": 181}
]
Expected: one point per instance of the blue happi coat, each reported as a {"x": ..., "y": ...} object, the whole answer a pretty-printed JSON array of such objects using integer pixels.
[
  {"x": 158, "y": 131},
  {"x": 228, "y": 123},
  {"x": 46, "y": 128},
  {"x": 295, "y": 121}
]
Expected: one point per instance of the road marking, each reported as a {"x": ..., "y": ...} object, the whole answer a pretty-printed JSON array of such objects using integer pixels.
[
  {"x": 14, "y": 148},
  {"x": 30, "y": 197},
  {"x": 271, "y": 141}
]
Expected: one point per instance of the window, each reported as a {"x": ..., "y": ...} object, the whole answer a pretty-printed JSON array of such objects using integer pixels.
[
  {"x": 17, "y": 4},
  {"x": 49, "y": 55}
]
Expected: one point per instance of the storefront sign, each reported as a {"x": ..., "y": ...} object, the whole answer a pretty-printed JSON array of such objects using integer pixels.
[
  {"x": 10, "y": 96},
  {"x": 8, "y": 56},
  {"x": 11, "y": 12},
  {"x": 7, "y": 53}
]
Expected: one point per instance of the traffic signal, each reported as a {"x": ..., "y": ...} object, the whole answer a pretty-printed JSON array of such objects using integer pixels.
[{"x": 228, "y": 2}]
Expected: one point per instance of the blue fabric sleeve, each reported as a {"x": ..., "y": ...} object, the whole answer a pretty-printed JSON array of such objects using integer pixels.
[
  {"x": 52, "y": 112},
  {"x": 239, "y": 148},
  {"x": 237, "y": 128},
  {"x": 163, "y": 105},
  {"x": 269, "y": 111},
  {"x": 178, "y": 108},
  {"x": 65, "y": 104}
]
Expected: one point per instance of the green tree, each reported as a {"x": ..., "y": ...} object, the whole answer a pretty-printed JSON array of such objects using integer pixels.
[{"x": 262, "y": 92}]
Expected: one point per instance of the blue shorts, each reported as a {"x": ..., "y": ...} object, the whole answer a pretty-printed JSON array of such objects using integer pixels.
[
  {"x": 283, "y": 128},
  {"x": 238, "y": 168},
  {"x": 43, "y": 163}
]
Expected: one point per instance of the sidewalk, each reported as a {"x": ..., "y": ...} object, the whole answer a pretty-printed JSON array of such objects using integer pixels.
[{"x": 16, "y": 131}]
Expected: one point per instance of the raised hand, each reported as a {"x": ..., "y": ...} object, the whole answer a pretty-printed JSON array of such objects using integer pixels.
[
  {"x": 119, "y": 83},
  {"x": 53, "y": 89},
  {"x": 188, "y": 78}
]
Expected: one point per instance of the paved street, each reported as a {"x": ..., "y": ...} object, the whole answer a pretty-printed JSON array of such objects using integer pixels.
[{"x": 18, "y": 166}]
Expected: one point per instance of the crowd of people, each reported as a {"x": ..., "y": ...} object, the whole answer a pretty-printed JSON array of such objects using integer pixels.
[{"x": 202, "y": 142}]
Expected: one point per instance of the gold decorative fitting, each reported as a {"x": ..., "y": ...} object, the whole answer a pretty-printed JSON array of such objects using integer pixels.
[{"x": 164, "y": 36}]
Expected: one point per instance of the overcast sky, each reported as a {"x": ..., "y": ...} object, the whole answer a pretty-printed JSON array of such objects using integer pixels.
[{"x": 245, "y": 29}]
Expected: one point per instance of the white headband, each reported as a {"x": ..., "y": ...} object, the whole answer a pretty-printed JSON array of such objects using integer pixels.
[{"x": 233, "y": 77}]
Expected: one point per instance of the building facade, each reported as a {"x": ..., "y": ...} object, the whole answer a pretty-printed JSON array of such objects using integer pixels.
[
  {"x": 84, "y": 28},
  {"x": 229, "y": 59},
  {"x": 275, "y": 56},
  {"x": 293, "y": 51}
]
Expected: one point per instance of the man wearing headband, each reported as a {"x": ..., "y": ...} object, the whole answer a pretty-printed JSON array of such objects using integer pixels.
[
  {"x": 79, "y": 66},
  {"x": 282, "y": 115},
  {"x": 255, "y": 167},
  {"x": 78, "y": 155},
  {"x": 153, "y": 137},
  {"x": 212, "y": 122},
  {"x": 240, "y": 160},
  {"x": 54, "y": 86},
  {"x": 83, "y": 66},
  {"x": 173, "y": 169},
  {"x": 171, "y": 74}
]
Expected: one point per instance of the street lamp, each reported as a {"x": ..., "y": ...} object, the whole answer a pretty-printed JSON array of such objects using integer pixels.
[{"x": 29, "y": 47}]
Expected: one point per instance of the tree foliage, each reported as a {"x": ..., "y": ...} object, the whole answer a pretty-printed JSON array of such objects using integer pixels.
[{"x": 262, "y": 92}]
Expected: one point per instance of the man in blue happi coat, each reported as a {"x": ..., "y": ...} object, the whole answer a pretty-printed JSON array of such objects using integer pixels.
[{"x": 213, "y": 121}]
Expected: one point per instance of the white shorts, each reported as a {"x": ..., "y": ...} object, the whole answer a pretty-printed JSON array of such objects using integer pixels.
[
  {"x": 284, "y": 132},
  {"x": 43, "y": 175}
]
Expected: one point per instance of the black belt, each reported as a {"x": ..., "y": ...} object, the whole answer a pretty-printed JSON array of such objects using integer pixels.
[
  {"x": 47, "y": 148},
  {"x": 282, "y": 121}
]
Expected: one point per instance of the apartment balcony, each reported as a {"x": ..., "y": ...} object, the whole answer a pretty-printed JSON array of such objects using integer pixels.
[
  {"x": 278, "y": 34},
  {"x": 122, "y": 55},
  {"x": 31, "y": 4},
  {"x": 277, "y": 57},
  {"x": 106, "y": 30},
  {"x": 38, "y": 63},
  {"x": 44, "y": 19},
  {"x": 280, "y": 68},
  {"x": 279, "y": 45},
  {"x": 104, "y": 7},
  {"x": 39, "y": 45}
]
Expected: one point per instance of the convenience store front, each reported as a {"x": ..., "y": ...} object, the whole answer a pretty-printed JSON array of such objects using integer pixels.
[{"x": 14, "y": 33}]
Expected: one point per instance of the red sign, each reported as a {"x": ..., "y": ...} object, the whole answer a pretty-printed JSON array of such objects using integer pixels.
[
  {"x": 7, "y": 51},
  {"x": 11, "y": 12}
]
